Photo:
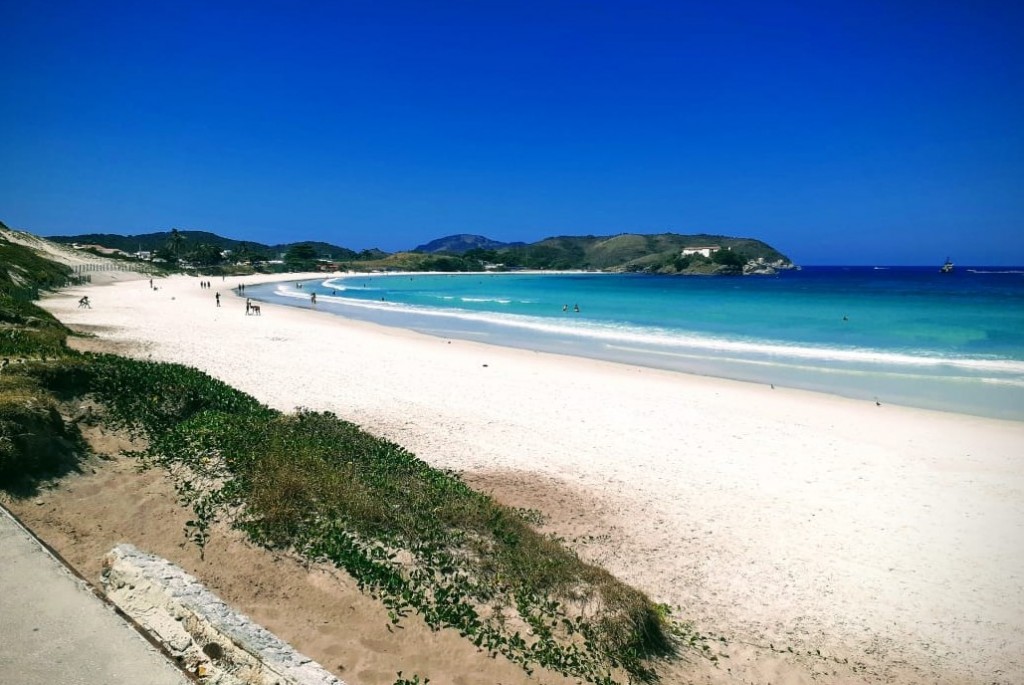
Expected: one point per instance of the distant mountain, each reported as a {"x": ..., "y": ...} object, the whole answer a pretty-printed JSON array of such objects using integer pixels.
[{"x": 462, "y": 243}]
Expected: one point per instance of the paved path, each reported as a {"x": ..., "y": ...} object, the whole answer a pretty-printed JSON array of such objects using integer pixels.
[{"x": 55, "y": 631}]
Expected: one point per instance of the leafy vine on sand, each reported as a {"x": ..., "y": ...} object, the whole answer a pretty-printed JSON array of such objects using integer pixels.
[{"x": 416, "y": 538}]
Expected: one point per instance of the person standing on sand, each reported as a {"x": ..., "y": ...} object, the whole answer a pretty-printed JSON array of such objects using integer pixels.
[
  {"x": 217, "y": 296},
  {"x": 312, "y": 298}
]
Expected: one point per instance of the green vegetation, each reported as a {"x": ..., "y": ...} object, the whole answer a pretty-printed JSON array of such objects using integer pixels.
[
  {"x": 25, "y": 329},
  {"x": 301, "y": 257},
  {"x": 204, "y": 249},
  {"x": 415, "y": 261},
  {"x": 416, "y": 538},
  {"x": 660, "y": 253},
  {"x": 34, "y": 442}
]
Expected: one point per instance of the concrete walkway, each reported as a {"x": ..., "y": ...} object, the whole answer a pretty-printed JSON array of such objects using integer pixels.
[{"x": 55, "y": 631}]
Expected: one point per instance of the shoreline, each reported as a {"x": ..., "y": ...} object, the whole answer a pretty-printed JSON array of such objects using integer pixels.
[
  {"x": 965, "y": 385},
  {"x": 882, "y": 535}
]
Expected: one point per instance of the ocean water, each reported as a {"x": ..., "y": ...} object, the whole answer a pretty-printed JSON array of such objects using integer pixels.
[{"x": 903, "y": 335}]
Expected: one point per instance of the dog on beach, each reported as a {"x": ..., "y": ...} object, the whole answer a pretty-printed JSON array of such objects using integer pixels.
[{"x": 254, "y": 309}]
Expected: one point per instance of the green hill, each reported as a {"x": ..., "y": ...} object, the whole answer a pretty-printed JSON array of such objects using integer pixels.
[
  {"x": 192, "y": 240},
  {"x": 660, "y": 253}
]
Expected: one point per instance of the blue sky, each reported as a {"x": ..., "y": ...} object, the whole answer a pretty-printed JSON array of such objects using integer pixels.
[{"x": 840, "y": 132}]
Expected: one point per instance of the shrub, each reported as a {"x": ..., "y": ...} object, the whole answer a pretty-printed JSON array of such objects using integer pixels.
[{"x": 34, "y": 442}]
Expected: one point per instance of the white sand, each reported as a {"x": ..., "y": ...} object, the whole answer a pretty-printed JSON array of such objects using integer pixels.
[{"x": 889, "y": 536}]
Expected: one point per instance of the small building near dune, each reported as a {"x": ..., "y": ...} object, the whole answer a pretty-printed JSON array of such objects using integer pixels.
[{"x": 704, "y": 251}]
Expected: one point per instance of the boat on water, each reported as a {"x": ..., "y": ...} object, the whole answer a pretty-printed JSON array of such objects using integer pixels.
[{"x": 946, "y": 268}]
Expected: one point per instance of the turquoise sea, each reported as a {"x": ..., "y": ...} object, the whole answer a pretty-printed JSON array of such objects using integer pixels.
[{"x": 902, "y": 335}]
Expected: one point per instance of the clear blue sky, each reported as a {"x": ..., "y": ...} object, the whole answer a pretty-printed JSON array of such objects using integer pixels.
[{"x": 857, "y": 132}]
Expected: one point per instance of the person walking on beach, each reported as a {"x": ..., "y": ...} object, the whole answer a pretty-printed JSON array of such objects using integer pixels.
[
  {"x": 248, "y": 306},
  {"x": 217, "y": 296},
  {"x": 312, "y": 298}
]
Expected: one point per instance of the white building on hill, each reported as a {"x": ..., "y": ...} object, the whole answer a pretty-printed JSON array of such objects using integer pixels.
[{"x": 705, "y": 251}]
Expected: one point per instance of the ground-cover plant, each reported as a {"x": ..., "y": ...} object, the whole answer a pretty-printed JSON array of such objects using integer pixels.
[{"x": 417, "y": 538}]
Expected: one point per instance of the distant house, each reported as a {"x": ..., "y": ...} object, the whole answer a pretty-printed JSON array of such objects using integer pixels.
[{"x": 704, "y": 251}]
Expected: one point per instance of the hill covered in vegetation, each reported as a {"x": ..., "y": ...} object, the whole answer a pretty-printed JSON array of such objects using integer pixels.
[
  {"x": 663, "y": 253},
  {"x": 187, "y": 243}
]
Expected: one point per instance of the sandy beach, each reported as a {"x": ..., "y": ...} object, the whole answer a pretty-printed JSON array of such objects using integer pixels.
[{"x": 890, "y": 540}]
